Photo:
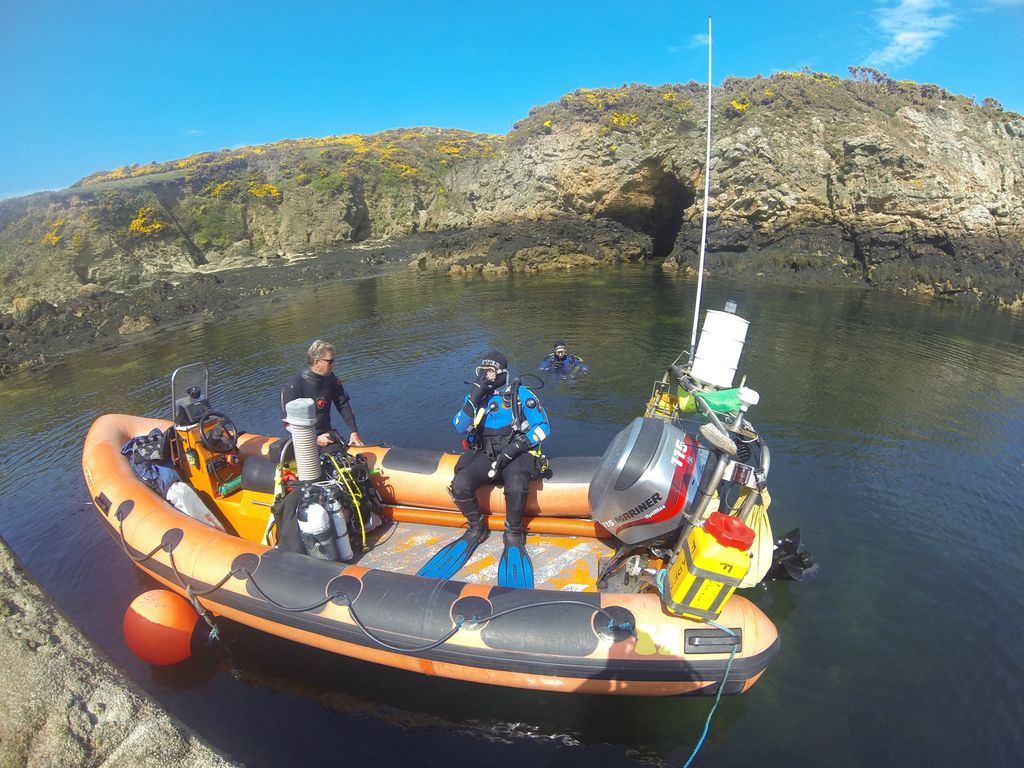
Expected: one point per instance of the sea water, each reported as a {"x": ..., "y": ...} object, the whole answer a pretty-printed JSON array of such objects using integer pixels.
[{"x": 895, "y": 426}]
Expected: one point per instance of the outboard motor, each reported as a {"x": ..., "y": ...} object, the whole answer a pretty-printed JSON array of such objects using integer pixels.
[
  {"x": 655, "y": 482},
  {"x": 647, "y": 481}
]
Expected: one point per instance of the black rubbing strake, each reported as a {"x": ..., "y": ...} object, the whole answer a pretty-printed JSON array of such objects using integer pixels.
[
  {"x": 573, "y": 469},
  {"x": 413, "y": 460}
]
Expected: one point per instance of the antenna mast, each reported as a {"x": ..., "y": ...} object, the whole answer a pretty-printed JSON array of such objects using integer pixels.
[{"x": 704, "y": 224}]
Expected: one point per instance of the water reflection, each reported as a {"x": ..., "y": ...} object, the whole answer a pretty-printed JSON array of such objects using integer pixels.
[{"x": 895, "y": 430}]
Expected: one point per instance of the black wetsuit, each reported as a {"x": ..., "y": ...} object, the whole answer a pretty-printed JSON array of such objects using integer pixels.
[
  {"x": 490, "y": 439},
  {"x": 566, "y": 366},
  {"x": 323, "y": 390},
  {"x": 471, "y": 473}
]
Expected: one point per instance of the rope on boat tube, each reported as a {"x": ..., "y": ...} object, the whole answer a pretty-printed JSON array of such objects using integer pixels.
[
  {"x": 721, "y": 687},
  {"x": 190, "y": 593},
  {"x": 612, "y": 626},
  {"x": 193, "y": 595},
  {"x": 460, "y": 621},
  {"x": 124, "y": 546},
  {"x": 301, "y": 609},
  {"x": 348, "y": 604},
  {"x": 203, "y": 613}
]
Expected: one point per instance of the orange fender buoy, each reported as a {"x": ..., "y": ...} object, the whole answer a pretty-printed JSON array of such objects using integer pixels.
[{"x": 158, "y": 627}]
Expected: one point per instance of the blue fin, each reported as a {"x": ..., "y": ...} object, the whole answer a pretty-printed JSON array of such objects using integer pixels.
[
  {"x": 451, "y": 557},
  {"x": 515, "y": 569}
]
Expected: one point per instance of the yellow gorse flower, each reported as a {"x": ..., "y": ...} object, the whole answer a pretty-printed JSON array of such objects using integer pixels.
[
  {"x": 53, "y": 237},
  {"x": 142, "y": 224}
]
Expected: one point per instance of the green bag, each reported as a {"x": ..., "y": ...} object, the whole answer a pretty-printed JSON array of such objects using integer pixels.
[{"x": 721, "y": 401}]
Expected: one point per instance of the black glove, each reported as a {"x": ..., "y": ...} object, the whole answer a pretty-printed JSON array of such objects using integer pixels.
[
  {"x": 516, "y": 447},
  {"x": 482, "y": 389}
]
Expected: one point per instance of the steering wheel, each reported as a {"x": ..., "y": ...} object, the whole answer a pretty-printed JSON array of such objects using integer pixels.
[{"x": 217, "y": 433}]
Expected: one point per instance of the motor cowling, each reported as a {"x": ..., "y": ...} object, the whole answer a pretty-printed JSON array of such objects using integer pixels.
[{"x": 647, "y": 481}]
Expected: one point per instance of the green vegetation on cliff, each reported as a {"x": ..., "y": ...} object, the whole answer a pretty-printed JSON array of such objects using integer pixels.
[
  {"x": 211, "y": 201},
  {"x": 889, "y": 177}
]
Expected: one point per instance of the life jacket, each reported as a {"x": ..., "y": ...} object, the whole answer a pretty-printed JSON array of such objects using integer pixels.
[{"x": 512, "y": 410}]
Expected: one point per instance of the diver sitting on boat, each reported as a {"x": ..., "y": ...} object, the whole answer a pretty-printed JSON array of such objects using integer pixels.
[
  {"x": 319, "y": 383},
  {"x": 504, "y": 425},
  {"x": 561, "y": 364}
]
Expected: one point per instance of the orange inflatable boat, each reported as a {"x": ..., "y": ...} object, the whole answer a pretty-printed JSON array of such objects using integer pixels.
[{"x": 567, "y": 634}]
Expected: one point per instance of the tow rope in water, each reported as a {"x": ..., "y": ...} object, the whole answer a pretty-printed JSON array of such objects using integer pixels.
[
  {"x": 725, "y": 677},
  {"x": 718, "y": 696}
]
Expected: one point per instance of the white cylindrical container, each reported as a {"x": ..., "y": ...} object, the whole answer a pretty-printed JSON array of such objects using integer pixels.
[
  {"x": 719, "y": 348},
  {"x": 301, "y": 417}
]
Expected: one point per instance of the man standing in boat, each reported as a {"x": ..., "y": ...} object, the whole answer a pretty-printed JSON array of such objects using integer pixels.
[
  {"x": 504, "y": 424},
  {"x": 319, "y": 383}
]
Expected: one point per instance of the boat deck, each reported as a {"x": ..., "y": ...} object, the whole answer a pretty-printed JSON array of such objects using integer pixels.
[{"x": 565, "y": 563}]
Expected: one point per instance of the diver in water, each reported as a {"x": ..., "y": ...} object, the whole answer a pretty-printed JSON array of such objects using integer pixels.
[
  {"x": 504, "y": 425},
  {"x": 562, "y": 364}
]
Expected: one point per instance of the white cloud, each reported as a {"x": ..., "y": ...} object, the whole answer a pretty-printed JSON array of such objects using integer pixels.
[
  {"x": 194, "y": 132},
  {"x": 909, "y": 30},
  {"x": 698, "y": 41}
]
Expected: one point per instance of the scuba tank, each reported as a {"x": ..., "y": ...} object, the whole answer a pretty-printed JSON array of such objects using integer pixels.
[
  {"x": 322, "y": 526},
  {"x": 315, "y": 530},
  {"x": 341, "y": 541},
  {"x": 319, "y": 515}
]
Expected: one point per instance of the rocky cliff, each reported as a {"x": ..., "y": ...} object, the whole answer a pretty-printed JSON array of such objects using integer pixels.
[
  {"x": 63, "y": 703},
  {"x": 814, "y": 179}
]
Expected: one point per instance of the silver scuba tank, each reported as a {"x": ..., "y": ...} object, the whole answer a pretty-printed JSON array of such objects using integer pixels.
[
  {"x": 322, "y": 526},
  {"x": 341, "y": 541},
  {"x": 647, "y": 481},
  {"x": 316, "y": 530}
]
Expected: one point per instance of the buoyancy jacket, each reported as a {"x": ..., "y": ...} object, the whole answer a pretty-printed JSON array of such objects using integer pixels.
[{"x": 506, "y": 413}]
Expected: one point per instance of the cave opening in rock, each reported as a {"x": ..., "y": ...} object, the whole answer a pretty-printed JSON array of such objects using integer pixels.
[
  {"x": 653, "y": 202},
  {"x": 671, "y": 198}
]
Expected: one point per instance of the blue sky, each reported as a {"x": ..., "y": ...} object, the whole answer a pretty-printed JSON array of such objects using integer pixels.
[{"x": 89, "y": 86}]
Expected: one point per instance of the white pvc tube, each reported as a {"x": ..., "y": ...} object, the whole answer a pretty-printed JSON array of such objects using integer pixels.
[{"x": 301, "y": 417}]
